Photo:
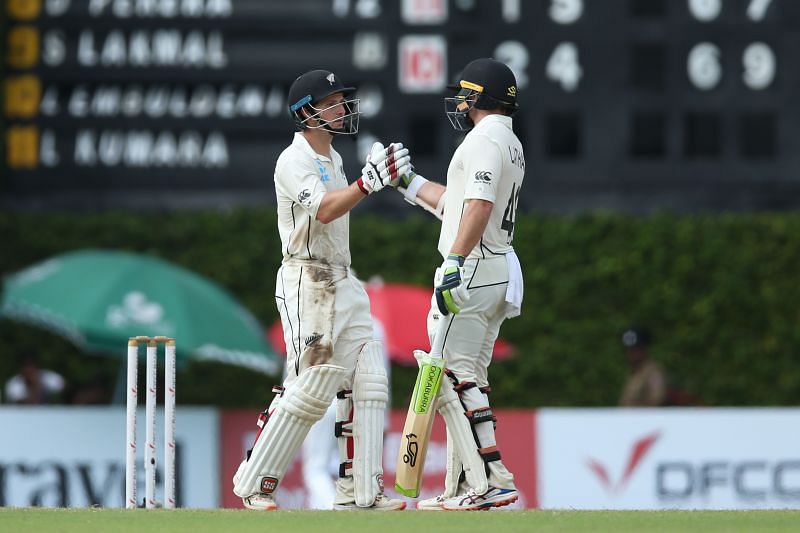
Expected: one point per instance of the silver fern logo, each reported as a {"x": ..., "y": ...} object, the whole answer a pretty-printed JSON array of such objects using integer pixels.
[{"x": 313, "y": 339}]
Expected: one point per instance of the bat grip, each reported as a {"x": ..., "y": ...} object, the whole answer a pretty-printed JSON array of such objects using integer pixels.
[{"x": 442, "y": 325}]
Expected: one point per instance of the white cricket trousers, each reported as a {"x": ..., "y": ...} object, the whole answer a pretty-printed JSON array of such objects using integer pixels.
[{"x": 325, "y": 316}]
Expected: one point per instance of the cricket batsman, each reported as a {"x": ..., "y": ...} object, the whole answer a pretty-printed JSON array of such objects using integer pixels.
[
  {"x": 479, "y": 284},
  {"x": 324, "y": 309}
]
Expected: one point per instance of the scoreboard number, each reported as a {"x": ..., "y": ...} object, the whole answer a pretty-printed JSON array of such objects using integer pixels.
[
  {"x": 705, "y": 10},
  {"x": 565, "y": 11},
  {"x": 708, "y": 10},
  {"x": 564, "y": 66},
  {"x": 757, "y": 9},
  {"x": 703, "y": 66},
  {"x": 516, "y": 56},
  {"x": 759, "y": 66}
]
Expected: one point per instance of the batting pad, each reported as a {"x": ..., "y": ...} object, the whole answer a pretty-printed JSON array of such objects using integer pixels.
[
  {"x": 460, "y": 431},
  {"x": 454, "y": 468},
  {"x": 476, "y": 402},
  {"x": 303, "y": 403},
  {"x": 370, "y": 396}
]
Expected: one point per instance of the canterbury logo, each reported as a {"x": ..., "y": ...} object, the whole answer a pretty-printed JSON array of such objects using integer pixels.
[
  {"x": 331, "y": 79},
  {"x": 512, "y": 91},
  {"x": 483, "y": 176},
  {"x": 303, "y": 196},
  {"x": 410, "y": 457},
  {"x": 311, "y": 340}
]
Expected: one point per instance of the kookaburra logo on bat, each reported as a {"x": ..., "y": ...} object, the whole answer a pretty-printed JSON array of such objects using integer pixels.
[{"x": 412, "y": 447}]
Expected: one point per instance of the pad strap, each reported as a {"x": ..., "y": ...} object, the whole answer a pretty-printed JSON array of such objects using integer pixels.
[
  {"x": 459, "y": 387},
  {"x": 464, "y": 386},
  {"x": 489, "y": 454},
  {"x": 480, "y": 415},
  {"x": 343, "y": 429}
]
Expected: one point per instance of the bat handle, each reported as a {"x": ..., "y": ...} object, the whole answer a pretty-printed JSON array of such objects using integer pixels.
[{"x": 443, "y": 324}]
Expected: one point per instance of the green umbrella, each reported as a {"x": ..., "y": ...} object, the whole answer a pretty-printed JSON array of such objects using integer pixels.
[{"x": 98, "y": 299}]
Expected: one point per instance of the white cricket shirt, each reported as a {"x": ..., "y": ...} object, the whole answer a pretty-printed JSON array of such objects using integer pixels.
[
  {"x": 489, "y": 165},
  {"x": 302, "y": 177}
]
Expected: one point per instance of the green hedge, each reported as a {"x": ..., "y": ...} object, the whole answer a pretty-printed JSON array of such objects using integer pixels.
[{"x": 718, "y": 291}]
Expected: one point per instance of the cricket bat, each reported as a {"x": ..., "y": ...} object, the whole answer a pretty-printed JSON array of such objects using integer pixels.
[{"x": 421, "y": 413}]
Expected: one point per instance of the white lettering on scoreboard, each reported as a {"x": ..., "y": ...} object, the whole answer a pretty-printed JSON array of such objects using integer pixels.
[
  {"x": 142, "y": 148},
  {"x": 151, "y": 48},
  {"x": 161, "y": 100},
  {"x": 151, "y": 8}
]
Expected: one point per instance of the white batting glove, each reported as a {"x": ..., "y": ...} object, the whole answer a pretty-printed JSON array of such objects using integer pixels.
[{"x": 382, "y": 166}]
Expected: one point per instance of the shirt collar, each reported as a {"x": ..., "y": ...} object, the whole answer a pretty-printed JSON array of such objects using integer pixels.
[
  {"x": 505, "y": 120},
  {"x": 301, "y": 142}
]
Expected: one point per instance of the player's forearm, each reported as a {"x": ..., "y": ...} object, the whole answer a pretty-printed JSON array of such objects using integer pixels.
[
  {"x": 339, "y": 202},
  {"x": 473, "y": 223},
  {"x": 431, "y": 192}
]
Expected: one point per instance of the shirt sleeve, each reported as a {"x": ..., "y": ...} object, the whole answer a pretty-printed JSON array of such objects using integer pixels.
[
  {"x": 483, "y": 168},
  {"x": 299, "y": 181}
]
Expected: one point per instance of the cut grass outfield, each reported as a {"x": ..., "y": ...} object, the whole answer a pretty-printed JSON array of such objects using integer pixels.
[{"x": 200, "y": 521}]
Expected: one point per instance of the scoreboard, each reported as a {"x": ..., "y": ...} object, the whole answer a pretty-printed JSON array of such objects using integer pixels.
[{"x": 624, "y": 104}]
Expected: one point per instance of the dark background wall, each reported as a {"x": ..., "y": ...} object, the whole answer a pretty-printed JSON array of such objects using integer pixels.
[{"x": 625, "y": 104}]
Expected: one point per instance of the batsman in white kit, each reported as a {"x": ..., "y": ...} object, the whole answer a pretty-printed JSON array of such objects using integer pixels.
[
  {"x": 324, "y": 309},
  {"x": 479, "y": 284}
]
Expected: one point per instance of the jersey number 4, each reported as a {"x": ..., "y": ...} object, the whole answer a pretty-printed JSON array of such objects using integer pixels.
[{"x": 511, "y": 212}]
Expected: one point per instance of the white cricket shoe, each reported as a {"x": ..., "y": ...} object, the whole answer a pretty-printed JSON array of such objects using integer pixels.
[
  {"x": 260, "y": 502},
  {"x": 431, "y": 504},
  {"x": 471, "y": 501},
  {"x": 382, "y": 503}
]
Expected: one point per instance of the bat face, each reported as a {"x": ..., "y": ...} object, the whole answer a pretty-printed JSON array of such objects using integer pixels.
[{"x": 418, "y": 426}]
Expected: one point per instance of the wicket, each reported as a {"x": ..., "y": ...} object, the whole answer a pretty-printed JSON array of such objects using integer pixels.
[{"x": 150, "y": 421}]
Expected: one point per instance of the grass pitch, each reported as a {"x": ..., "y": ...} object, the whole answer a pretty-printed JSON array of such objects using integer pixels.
[{"x": 201, "y": 521}]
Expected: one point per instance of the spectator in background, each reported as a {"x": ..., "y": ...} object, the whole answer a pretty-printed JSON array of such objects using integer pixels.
[
  {"x": 34, "y": 385},
  {"x": 646, "y": 385},
  {"x": 93, "y": 392}
]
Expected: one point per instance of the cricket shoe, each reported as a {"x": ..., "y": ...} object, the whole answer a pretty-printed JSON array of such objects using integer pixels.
[
  {"x": 471, "y": 501},
  {"x": 382, "y": 503},
  {"x": 260, "y": 502},
  {"x": 431, "y": 504}
]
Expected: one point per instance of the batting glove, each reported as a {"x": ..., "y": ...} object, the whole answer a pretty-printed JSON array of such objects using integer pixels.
[
  {"x": 382, "y": 166},
  {"x": 452, "y": 293}
]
